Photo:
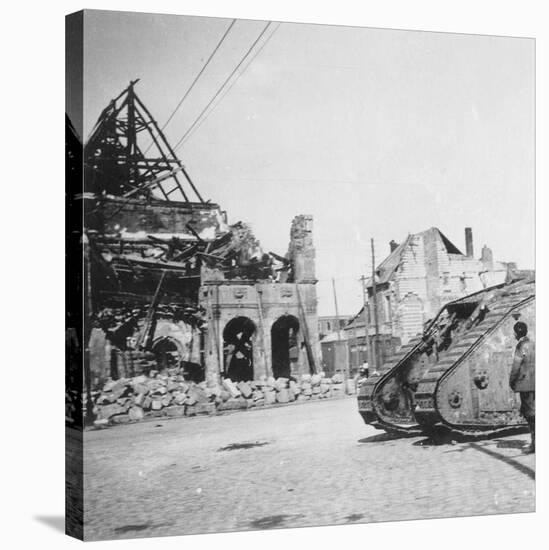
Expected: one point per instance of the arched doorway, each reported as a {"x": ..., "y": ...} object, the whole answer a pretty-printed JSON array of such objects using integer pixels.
[
  {"x": 284, "y": 345},
  {"x": 238, "y": 357},
  {"x": 167, "y": 353}
]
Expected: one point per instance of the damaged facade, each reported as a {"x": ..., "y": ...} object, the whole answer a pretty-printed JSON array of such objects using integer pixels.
[
  {"x": 419, "y": 276},
  {"x": 169, "y": 283}
]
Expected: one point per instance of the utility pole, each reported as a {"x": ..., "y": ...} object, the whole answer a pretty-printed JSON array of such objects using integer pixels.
[
  {"x": 336, "y": 310},
  {"x": 364, "y": 313},
  {"x": 375, "y": 350}
]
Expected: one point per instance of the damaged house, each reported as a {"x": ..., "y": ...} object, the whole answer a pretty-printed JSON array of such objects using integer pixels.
[
  {"x": 414, "y": 281},
  {"x": 168, "y": 281}
]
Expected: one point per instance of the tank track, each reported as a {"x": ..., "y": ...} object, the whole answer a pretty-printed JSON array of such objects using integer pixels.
[{"x": 369, "y": 387}]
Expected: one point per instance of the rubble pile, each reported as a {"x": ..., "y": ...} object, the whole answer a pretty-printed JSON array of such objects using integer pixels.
[{"x": 169, "y": 394}]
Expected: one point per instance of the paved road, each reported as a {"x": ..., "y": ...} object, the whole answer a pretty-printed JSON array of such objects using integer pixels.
[{"x": 302, "y": 465}]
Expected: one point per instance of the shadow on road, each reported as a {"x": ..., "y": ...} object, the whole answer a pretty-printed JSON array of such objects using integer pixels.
[
  {"x": 449, "y": 438},
  {"x": 514, "y": 463},
  {"x": 385, "y": 436}
]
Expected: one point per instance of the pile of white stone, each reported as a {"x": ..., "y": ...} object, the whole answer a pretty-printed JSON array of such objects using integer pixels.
[{"x": 133, "y": 399}]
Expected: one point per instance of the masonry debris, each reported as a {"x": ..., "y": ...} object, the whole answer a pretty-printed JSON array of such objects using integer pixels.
[{"x": 170, "y": 394}]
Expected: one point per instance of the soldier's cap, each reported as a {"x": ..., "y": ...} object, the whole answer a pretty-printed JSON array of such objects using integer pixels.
[{"x": 520, "y": 328}]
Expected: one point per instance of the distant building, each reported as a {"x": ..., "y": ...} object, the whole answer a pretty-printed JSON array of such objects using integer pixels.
[
  {"x": 335, "y": 354},
  {"x": 329, "y": 324},
  {"x": 420, "y": 275}
]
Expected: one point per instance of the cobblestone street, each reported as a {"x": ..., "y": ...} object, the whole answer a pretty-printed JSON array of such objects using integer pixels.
[{"x": 310, "y": 464}]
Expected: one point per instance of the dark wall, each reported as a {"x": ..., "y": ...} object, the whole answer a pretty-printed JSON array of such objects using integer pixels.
[{"x": 104, "y": 214}]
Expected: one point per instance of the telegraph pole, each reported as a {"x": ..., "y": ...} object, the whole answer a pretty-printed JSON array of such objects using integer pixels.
[
  {"x": 364, "y": 313},
  {"x": 336, "y": 309},
  {"x": 375, "y": 350}
]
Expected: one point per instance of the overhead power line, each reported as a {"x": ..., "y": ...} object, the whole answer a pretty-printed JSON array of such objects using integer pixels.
[
  {"x": 189, "y": 134},
  {"x": 222, "y": 86},
  {"x": 189, "y": 89}
]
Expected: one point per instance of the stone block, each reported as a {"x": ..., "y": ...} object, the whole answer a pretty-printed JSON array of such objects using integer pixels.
[
  {"x": 269, "y": 396},
  {"x": 233, "y": 404},
  {"x": 245, "y": 389},
  {"x": 315, "y": 390},
  {"x": 136, "y": 413},
  {"x": 172, "y": 386},
  {"x": 120, "y": 419},
  {"x": 200, "y": 408},
  {"x": 315, "y": 396},
  {"x": 196, "y": 394},
  {"x": 307, "y": 391},
  {"x": 179, "y": 398},
  {"x": 140, "y": 388},
  {"x": 337, "y": 378},
  {"x": 270, "y": 382},
  {"x": 282, "y": 396},
  {"x": 260, "y": 403},
  {"x": 291, "y": 394},
  {"x": 156, "y": 405},
  {"x": 230, "y": 387},
  {"x": 160, "y": 390},
  {"x": 166, "y": 400},
  {"x": 303, "y": 397},
  {"x": 326, "y": 381},
  {"x": 138, "y": 399},
  {"x": 281, "y": 383},
  {"x": 175, "y": 410},
  {"x": 147, "y": 402},
  {"x": 257, "y": 395},
  {"x": 294, "y": 387},
  {"x": 325, "y": 388},
  {"x": 224, "y": 395},
  {"x": 306, "y": 378},
  {"x": 315, "y": 379}
]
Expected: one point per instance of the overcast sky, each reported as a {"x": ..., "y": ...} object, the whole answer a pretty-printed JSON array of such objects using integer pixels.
[{"x": 376, "y": 133}]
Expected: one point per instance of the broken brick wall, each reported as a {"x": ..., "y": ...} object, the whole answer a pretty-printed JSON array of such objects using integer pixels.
[{"x": 301, "y": 251}]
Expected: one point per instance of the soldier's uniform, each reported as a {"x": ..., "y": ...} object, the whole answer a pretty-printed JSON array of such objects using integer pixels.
[{"x": 522, "y": 380}]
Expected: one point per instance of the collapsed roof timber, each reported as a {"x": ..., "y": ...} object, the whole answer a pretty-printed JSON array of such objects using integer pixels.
[{"x": 157, "y": 251}]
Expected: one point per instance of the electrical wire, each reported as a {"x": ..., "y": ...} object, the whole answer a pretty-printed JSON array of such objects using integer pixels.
[
  {"x": 189, "y": 89},
  {"x": 182, "y": 141},
  {"x": 222, "y": 86}
]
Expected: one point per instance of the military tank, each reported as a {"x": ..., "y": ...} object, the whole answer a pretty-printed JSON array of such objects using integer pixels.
[{"x": 454, "y": 375}]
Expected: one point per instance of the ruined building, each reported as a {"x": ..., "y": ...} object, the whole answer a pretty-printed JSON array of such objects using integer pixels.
[
  {"x": 415, "y": 280},
  {"x": 168, "y": 281}
]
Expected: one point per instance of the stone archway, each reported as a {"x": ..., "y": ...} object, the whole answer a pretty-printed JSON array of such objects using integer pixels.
[
  {"x": 284, "y": 346},
  {"x": 238, "y": 357}
]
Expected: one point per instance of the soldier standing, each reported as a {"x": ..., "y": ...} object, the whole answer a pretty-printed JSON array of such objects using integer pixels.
[{"x": 522, "y": 378}]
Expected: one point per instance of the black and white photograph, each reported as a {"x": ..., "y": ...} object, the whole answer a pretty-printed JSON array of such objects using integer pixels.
[{"x": 300, "y": 274}]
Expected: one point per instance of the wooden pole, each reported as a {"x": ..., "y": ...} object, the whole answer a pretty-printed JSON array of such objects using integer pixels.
[
  {"x": 364, "y": 312},
  {"x": 336, "y": 309},
  {"x": 375, "y": 354}
]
